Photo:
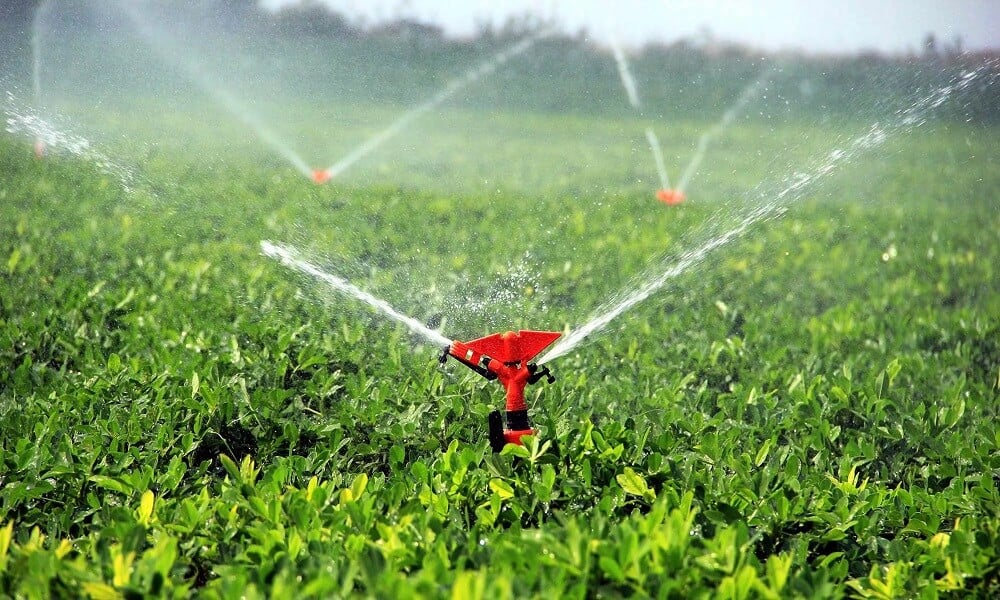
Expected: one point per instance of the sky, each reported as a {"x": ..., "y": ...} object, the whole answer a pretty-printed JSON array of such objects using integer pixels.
[{"x": 813, "y": 26}]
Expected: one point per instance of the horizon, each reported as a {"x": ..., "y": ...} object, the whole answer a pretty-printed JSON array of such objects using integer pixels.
[{"x": 893, "y": 27}]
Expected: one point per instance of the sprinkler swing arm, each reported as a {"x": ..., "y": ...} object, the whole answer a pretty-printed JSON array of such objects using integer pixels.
[
  {"x": 483, "y": 367},
  {"x": 504, "y": 357}
]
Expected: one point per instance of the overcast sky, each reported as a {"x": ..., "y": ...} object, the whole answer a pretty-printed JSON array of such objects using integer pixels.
[{"x": 817, "y": 26}]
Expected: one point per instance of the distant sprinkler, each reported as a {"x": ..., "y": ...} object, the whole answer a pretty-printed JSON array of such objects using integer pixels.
[
  {"x": 321, "y": 176},
  {"x": 670, "y": 197},
  {"x": 40, "y": 148}
]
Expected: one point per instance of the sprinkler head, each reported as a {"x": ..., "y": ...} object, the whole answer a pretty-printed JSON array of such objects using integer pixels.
[
  {"x": 670, "y": 197},
  {"x": 321, "y": 176},
  {"x": 40, "y": 148}
]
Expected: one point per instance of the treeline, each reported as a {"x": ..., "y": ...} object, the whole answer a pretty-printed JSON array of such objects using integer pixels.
[
  {"x": 570, "y": 72},
  {"x": 407, "y": 60}
]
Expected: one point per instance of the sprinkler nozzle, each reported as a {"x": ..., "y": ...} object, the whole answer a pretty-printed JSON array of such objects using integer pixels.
[{"x": 670, "y": 197}]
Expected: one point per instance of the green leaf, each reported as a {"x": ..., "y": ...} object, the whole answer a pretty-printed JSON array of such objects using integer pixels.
[
  {"x": 516, "y": 450},
  {"x": 110, "y": 483},
  {"x": 502, "y": 488},
  {"x": 145, "y": 511},
  {"x": 358, "y": 485},
  {"x": 100, "y": 591},
  {"x": 632, "y": 483},
  {"x": 547, "y": 483},
  {"x": 893, "y": 369},
  {"x": 611, "y": 568},
  {"x": 396, "y": 454},
  {"x": 231, "y": 468},
  {"x": 838, "y": 393},
  {"x": 763, "y": 451},
  {"x": 15, "y": 257},
  {"x": 778, "y": 567},
  {"x": 6, "y": 535}
]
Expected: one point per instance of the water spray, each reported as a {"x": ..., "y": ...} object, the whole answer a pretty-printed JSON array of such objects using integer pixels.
[
  {"x": 290, "y": 257},
  {"x": 502, "y": 356},
  {"x": 748, "y": 94},
  {"x": 665, "y": 194},
  {"x": 475, "y": 74},
  {"x": 41, "y": 11},
  {"x": 791, "y": 189},
  {"x": 625, "y": 73},
  {"x": 661, "y": 169},
  {"x": 48, "y": 137},
  {"x": 168, "y": 51}
]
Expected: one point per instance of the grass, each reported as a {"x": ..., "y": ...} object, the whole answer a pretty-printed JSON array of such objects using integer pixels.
[{"x": 811, "y": 411}]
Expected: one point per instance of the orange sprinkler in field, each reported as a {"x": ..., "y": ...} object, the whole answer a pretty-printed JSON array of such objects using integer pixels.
[
  {"x": 670, "y": 197},
  {"x": 505, "y": 356},
  {"x": 321, "y": 176}
]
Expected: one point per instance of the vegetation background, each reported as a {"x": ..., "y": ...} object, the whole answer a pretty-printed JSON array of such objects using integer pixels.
[{"x": 810, "y": 411}]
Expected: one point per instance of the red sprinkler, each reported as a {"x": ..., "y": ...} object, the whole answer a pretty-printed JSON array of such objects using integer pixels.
[
  {"x": 670, "y": 197},
  {"x": 321, "y": 176},
  {"x": 505, "y": 356},
  {"x": 40, "y": 149}
]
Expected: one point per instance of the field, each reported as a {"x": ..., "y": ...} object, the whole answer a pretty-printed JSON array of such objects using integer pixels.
[{"x": 810, "y": 410}]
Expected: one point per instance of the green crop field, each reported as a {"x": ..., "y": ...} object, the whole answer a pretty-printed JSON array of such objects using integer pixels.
[{"x": 807, "y": 409}]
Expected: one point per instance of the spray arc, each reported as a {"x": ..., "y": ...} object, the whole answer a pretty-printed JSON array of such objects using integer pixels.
[
  {"x": 502, "y": 356},
  {"x": 665, "y": 193},
  {"x": 675, "y": 195}
]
